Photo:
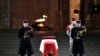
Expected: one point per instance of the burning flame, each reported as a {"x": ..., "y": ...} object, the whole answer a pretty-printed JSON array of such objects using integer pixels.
[{"x": 41, "y": 25}]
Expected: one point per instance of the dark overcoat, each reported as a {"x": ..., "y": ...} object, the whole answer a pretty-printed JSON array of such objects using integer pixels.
[
  {"x": 25, "y": 44},
  {"x": 78, "y": 45}
]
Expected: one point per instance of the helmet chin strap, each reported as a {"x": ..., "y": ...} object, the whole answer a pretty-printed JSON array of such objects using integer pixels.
[{"x": 74, "y": 25}]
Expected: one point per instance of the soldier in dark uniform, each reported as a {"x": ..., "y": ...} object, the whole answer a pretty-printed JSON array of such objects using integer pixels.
[
  {"x": 78, "y": 34},
  {"x": 25, "y": 34}
]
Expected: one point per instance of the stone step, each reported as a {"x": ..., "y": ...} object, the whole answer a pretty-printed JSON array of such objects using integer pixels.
[{"x": 9, "y": 44}]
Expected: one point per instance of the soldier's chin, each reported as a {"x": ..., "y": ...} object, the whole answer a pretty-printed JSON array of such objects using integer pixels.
[{"x": 25, "y": 26}]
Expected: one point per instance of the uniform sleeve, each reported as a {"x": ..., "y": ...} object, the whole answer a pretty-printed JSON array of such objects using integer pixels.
[
  {"x": 31, "y": 35},
  {"x": 30, "y": 32},
  {"x": 68, "y": 31},
  {"x": 72, "y": 33},
  {"x": 83, "y": 33},
  {"x": 20, "y": 33}
]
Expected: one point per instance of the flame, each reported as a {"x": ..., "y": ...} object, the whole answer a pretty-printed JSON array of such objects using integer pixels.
[{"x": 41, "y": 25}]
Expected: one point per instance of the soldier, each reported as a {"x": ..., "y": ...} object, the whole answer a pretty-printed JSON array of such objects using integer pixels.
[
  {"x": 68, "y": 32},
  {"x": 78, "y": 34},
  {"x": 25, "y": 34}
]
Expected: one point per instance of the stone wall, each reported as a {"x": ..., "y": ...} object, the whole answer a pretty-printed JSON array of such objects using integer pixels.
[
  {"x": 4, "y": 14},
  {"x": 13, "y": 12}
]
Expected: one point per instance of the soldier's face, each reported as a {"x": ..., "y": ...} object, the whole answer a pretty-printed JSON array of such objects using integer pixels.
[
  {"x": 74, "y": 22},
  {"x": 25, "y": 24}
]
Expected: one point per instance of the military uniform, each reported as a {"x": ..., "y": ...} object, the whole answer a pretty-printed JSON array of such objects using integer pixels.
[
  {"x": 78, "y": 35},
  {"x": 25, "y": 34},
  {"x": 68, "y": 33}
]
